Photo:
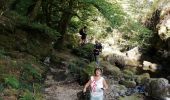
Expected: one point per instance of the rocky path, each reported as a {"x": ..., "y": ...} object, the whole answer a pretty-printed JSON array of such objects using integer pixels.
[
  {"x": 62, "y": 92},
  {"x": 59, "y": 89}
]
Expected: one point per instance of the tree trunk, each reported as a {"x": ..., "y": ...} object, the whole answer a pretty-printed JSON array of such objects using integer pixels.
[
  {"x": 65, "y": 20},
  {"x": 47, "y": 8}
]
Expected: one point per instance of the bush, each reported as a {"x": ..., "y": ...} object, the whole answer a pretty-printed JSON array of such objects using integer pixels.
[
  {"x": 82, "y": 71},
  {"x": 84, "y": 51}
]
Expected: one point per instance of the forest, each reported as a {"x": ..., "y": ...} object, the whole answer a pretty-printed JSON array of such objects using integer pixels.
[{"x": 47, "y": 49}]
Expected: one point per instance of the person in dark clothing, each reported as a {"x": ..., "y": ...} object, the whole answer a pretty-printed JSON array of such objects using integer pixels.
[
  {"x": 96, "y": 51},
  {"x": 83, "y": 34}
]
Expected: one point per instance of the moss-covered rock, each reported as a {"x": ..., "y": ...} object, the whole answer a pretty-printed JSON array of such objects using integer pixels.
[
  {"x": 129, "y": 84},
  {"x": 141, "y": 79},
  {"x": 128, "y": 75},
  {"x": 109, "y": 69},
  {"x": 117, "y": 60},
  {"x": 157, "y": 88}
]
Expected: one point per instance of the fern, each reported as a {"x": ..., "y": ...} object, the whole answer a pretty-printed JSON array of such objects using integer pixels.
[{"x": 12, "y": 81}]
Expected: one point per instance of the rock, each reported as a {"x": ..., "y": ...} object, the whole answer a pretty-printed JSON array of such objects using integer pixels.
[
  {"x": 129, "y": 84},
  {"x": 146, "y": 65},
  {"x": 132, "y": 62},
  {"x": 115, "y": 91},
  {"x": 157, "y": 88},
  {"x": 134, "y": 54},
  {"x": 117, "y": 60},
  {"x": 49, "y": 77},
  {"x": 109, "y": 69},
  {"x": 141, "y": 79},
  {"x": 47, "y": 61},
  {"x": 151, "y": 66},
  {"x": 162, "y": 32},
  {"x": 128, "y": 75}
]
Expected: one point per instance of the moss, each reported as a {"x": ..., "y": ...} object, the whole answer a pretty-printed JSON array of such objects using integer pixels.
[
  {"x": 128, "y": 75},
  {"x": 141, "y": 79},
  {"x": 110, "y": 69},
  {"x": 129, "y": 84}
]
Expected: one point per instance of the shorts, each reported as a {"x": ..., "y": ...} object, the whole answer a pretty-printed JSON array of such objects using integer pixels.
[{"x": 96, "y": 97}]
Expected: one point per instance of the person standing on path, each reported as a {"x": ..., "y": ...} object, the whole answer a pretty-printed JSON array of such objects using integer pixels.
[
  {"x": 97, "y": 85},
  {"x": 83, "y": 34},
  {"x": 96, "y": 51}
]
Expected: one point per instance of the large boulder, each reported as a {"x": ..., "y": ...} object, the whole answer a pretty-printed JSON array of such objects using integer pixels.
[
  {"x": 130, "y": 58},
  {"x": 151, "y": 66},
  {"x": 116, "y": 59},
  {"x": 115, "y": 91},
  {"x": 134, "y": 54},
  {"x": 157, "y": 88}
]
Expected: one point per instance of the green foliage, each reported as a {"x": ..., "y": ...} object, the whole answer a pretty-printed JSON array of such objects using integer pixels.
[
  {"x": 25, "y": 85},
  {"x": 90, "y": 68},
  {"x": 74, "y": 68},
  {"x": 84, "y": 51},
  {"x": 24, "y": 23},
  {"x": 136, "y": 34},
  {"x": 112, "y": 12},
  {"x": 12, "y": 81},
  {"x": 27, "y": 95},
  {"x": 52, "y": 33},
  {"x": 29, "y": 72},
  {"x": 23, "y": 5}
]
